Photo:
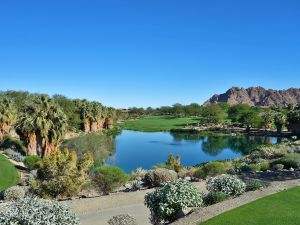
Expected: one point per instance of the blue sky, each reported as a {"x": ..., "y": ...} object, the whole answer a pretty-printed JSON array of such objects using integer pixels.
[{"x": 148, "y": 53}]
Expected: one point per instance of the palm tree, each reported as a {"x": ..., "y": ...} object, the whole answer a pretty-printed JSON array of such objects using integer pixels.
[
  {"x": 279, "y": 121},
  {"x": 42, "y": 125},
  {"x": 8, "y": 116},
  {"x": 97, "y": 109},
  {"x": 110, "y": 117}
]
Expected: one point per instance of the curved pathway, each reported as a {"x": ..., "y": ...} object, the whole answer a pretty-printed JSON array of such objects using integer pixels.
[{"x": 97, "y": 211}]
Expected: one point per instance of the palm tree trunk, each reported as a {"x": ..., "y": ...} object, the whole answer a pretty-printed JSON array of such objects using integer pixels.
[{"x": 31, "y": 144}]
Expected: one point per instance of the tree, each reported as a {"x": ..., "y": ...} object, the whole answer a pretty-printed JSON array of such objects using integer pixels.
[
  {"x": 72, "y": 111},
  {"x": 236, "y": 111},
  {"x": 249, "y": 119},
  {"x": 8, "y": 116},
  {"x": 279, "y": 121},
  {"x": 293, "y": 121},
  {"x": 212, "y": 113},
  {"x": 268, "y": 119},
  {"x": 42, "y": 125}
]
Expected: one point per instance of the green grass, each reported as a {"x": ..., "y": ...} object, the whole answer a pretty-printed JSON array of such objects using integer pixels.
[
  {"x": 157, "y": 123},
  {"x": 278, "y": 209},
  {"x": 8, "y": 173}
]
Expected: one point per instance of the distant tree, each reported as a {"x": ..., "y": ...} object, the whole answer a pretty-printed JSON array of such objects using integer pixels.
[
  {"x": 279, "y": 121},
  {"x": 268, "y": 119},
  {"x": 293, "y": 121},
  {"x": 212, "y": 113},
  {"x": 236, "y": 111},
  {"x": 249, "y": 119},
  {"x": 72, "y": 111}
]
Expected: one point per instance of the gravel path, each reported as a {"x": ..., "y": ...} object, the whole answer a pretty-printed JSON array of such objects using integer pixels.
[{"x": 99, "y": 210}]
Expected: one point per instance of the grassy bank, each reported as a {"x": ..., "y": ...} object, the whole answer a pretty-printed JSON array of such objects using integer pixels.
[
  {"x": 157, "y": 123},
  {"x": 8, "y": 173},
  {"x": 278, "y": 209}
]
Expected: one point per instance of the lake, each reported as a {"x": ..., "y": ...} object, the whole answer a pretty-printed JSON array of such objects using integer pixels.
[{"x": 135, "y": 149}]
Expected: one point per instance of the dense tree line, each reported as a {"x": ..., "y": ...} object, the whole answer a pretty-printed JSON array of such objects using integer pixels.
[
  {"x": 42, "y": 121},
  {"x": 235, "y": 115}
]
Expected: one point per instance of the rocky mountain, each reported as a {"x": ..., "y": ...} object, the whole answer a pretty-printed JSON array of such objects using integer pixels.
[{"x": 258, "y": 96}]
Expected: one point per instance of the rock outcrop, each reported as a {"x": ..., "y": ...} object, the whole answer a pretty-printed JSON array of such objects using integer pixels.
[{"x": 258, "y": 96}]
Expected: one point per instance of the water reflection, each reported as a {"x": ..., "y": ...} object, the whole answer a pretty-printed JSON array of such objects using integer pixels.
[
  {"x": 213, "y": 145},
  {"x": 101, "y": 146}
]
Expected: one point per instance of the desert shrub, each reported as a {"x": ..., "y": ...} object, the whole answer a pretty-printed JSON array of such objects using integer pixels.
[
  {"x": 123, "y": 219},
  {"x": 228, "y": 184},
  {"x": 35, "y": 211},
  {"x": 253, "y": 185},
  {"x": 254, "y": 167},
  {"x": 174, "y": 163},
  {"x": 167, "y": 201},
  {"x": 289, "y": 161},
  {"x": 138, "y": 174},
  {"x": 62, "y": 175},
  {"x": 14, "y": 193},
  {"x": 31, "y": 162},
  {"x": 108, "y": 178},
  {"x": 16, "y": 156},
  {"x": 210, "y": 169},
  {"x": 214, "y": 197},
  {"x": 278, "y": 167},
  {"x": 158, "y": 177},
  {"x": 265, "y": 165}
]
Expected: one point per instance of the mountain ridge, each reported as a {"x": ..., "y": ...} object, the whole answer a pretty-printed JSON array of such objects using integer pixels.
[{"x": 257, "y": 96}]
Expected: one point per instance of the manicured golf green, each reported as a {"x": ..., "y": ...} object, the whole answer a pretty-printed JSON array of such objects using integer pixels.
[
  {"x": 157, "y": 123},
  {"x": 278, "y": 209},
  {"x": 8, "y": 173}
]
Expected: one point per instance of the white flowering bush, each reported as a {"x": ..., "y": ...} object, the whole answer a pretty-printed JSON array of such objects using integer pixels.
[
  {"x": 35, "y": 211},
  {"x": 228, "y": 184},
  {"x": 167, "y": 201},
  {"x": 14, "y": 193}
]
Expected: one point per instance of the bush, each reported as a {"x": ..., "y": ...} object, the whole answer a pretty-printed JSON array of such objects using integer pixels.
[
  {"x": 228, "y": 184},
  {"x": 210, "y": 169},
  {"x": 108, "y": 178},
  {"x": 16, "y": 156},
  {"x": 138, "y": 174},
  {"x": 167, "y": 201},
  {"x": 174, "y": 163},
  {"x": 124, "y": 219},
  {"x": 289, "y": 161},
  {"x": 14, "y": 193},
  {"x": 158, "y": 177},
  {"x": 253, "y": 185},
  {"x": 62, "y": 175},
  {"x": 36, "y": 211},
  {"x": 278, "y": 167},
  {"x": 254, "y": 167},
  {"x": 265, "y": 165},
  {"x": 31, "y": 162},
  {"x": 214, "y": 197}
]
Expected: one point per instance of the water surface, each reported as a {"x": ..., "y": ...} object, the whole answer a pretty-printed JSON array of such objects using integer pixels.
[{"x": 135, "y": 149}]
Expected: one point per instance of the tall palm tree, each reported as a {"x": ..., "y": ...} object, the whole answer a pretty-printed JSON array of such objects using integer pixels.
[
  {"x": 8, "y": 116},
  {"x": 42, "y": 125},
  {"x": 96, "y": 116},
  {"x": 110, "y": 117}
]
